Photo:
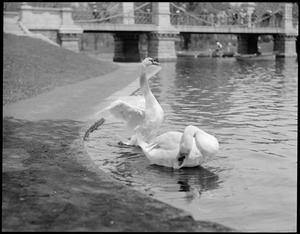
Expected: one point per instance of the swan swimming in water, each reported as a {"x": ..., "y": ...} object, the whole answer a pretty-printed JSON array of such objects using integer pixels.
[
  {"x": 144, "y": 117},
  {"x": 191, "y": 148}
]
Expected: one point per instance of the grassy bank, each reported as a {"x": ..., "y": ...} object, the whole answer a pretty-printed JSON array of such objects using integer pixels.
[{"x": 32, "y": 66}]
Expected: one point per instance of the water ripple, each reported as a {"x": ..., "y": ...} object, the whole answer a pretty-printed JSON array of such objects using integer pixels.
[{"x": 251, "y": 108}]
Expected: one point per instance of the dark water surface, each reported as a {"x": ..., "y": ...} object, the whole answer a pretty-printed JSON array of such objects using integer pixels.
[{"x": 251, "y": 108}]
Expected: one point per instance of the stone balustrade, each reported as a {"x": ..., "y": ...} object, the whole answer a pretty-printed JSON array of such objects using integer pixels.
[{"x": 55, "y": 23}]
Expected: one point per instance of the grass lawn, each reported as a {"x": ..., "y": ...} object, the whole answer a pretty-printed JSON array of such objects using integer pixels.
[{"x": 32, "y": 66}]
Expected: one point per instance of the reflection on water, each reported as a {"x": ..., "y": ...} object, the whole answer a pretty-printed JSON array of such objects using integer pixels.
[{"x": 251, "y": 108}]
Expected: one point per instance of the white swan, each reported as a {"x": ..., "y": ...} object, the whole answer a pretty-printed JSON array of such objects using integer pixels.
[
  {"x": 146, "y": 117},
  {"x": 191, "y": 148}
]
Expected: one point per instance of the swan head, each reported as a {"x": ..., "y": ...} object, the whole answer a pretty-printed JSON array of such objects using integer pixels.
[
  {"x": 181, "y": 157},
  {"x": 186, "y": 144},
  {"x": 150, "y": 61}
]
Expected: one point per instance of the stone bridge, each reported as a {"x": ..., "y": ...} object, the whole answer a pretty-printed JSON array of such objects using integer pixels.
[{"x": 161, "y": 27}]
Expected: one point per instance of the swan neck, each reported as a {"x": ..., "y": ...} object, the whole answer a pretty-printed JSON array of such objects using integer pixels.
[
  {"x": 144, "y": 85},
  {"x": 145, "y": 88},
  {"x": 186, "y": 141}
]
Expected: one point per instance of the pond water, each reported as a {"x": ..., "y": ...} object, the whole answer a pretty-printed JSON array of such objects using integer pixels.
[{"x": 251, "y": 108}]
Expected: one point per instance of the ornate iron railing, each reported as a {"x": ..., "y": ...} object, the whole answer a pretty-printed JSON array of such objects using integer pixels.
[
  {"x": 96, "y": 17},
  {"x": 139, "y": 16},
  {"x": 182, "y": 17},
  {"x": 145, "y": 17},
  {"x": 189, "y": 19},
  {"x": 117, "y": 18}
]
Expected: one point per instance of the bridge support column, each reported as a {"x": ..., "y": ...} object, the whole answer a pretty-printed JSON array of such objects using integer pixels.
[
  {"x": 247, "y": 44},
  {"x": 162, "y": 41},
  {"x": 128, "y": 11},
  {"x": 126, "y": 47},
  {"x": 69, "y": 32},
  {"x": 162, "y": 46},
  {"x": 285, "y": 45},
  {"x": 186, "y": 41},
  {"x": 288, "y": 17},
  {"x": 143, "y": 46}
]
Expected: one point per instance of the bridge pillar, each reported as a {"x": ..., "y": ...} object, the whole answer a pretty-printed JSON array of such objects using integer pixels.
[
  {"x": 285, "y": 45},
  {"x": 162, "y": 41},
  {"x": 288, "y": 17},
  {"x": 128, "y": 11},
  {"x": 250, "y": 8},
  {"x": 126, "y": 47},
  {"x": 143, "y": 45},
  {"x": 69, "y": 32},
  {"x": 247, "y": 44},
  {"x": 162, "y": 46}
]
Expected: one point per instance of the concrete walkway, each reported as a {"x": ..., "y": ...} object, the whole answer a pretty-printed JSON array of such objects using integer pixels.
[
  {"x": 51, "y": 184},
  {"x": 82, "y": 100}
]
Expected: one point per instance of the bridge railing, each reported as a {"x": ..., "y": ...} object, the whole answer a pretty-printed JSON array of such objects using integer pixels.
[
  {"x": 141, "y": 17},
  {"x": 137, "y": 15},
  {"x": 145, "y": 17},
  {"x": 199, "y": 20},
  {"x": 96, "y": 17},
  {"x": 182, "y": 17}
]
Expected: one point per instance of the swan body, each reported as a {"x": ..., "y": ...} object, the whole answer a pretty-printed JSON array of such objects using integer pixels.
[
  {"x": 144, "y": 116},
  {"x": 191, "y": 148}
]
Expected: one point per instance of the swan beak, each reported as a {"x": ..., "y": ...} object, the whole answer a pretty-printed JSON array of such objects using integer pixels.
[
  {"x": 181, "y": 160},
  {"x": 155, "y": 62},
  {"x": 182, "y": 157}
]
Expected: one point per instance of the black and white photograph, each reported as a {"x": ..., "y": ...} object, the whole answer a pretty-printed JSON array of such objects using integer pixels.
[{"x": 150, "y": 117}]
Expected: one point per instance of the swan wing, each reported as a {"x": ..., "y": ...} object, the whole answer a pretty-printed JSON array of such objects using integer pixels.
[
  {"x": 168, "y": 140},
  {"x": 195, "y": 158},
  {"x": 128, "y": 113},
  {"x": 137, "y": 101},
  {"x": 163, "y": 149}
]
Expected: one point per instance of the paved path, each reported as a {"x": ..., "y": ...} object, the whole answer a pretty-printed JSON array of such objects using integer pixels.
[
  {"x": 81, "y": 100},
  {"x": 50, "y": 183}
]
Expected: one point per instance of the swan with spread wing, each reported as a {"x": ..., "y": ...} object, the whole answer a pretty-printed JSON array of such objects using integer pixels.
[
  {"x": 174, "y": 149},
  {"x": 144, "y": 116}
]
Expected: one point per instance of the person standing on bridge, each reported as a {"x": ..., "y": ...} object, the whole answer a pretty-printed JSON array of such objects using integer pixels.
[
  {"x": 278, "y": 18},
  {"x": 229, "y": 16},
  {"x": 253, "y": 18},
  {"x": 222, "y": 17},
  {"x": 96, "y": 12},
  {"x": 242, "y": 16},
  {"x": 235, "y": 17},
  {"x": 105, "y": 14},
  {"x": 205, "y": 16},
  {"x": 211, "y": 19},
  {"x": 266, "y": 18}
]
